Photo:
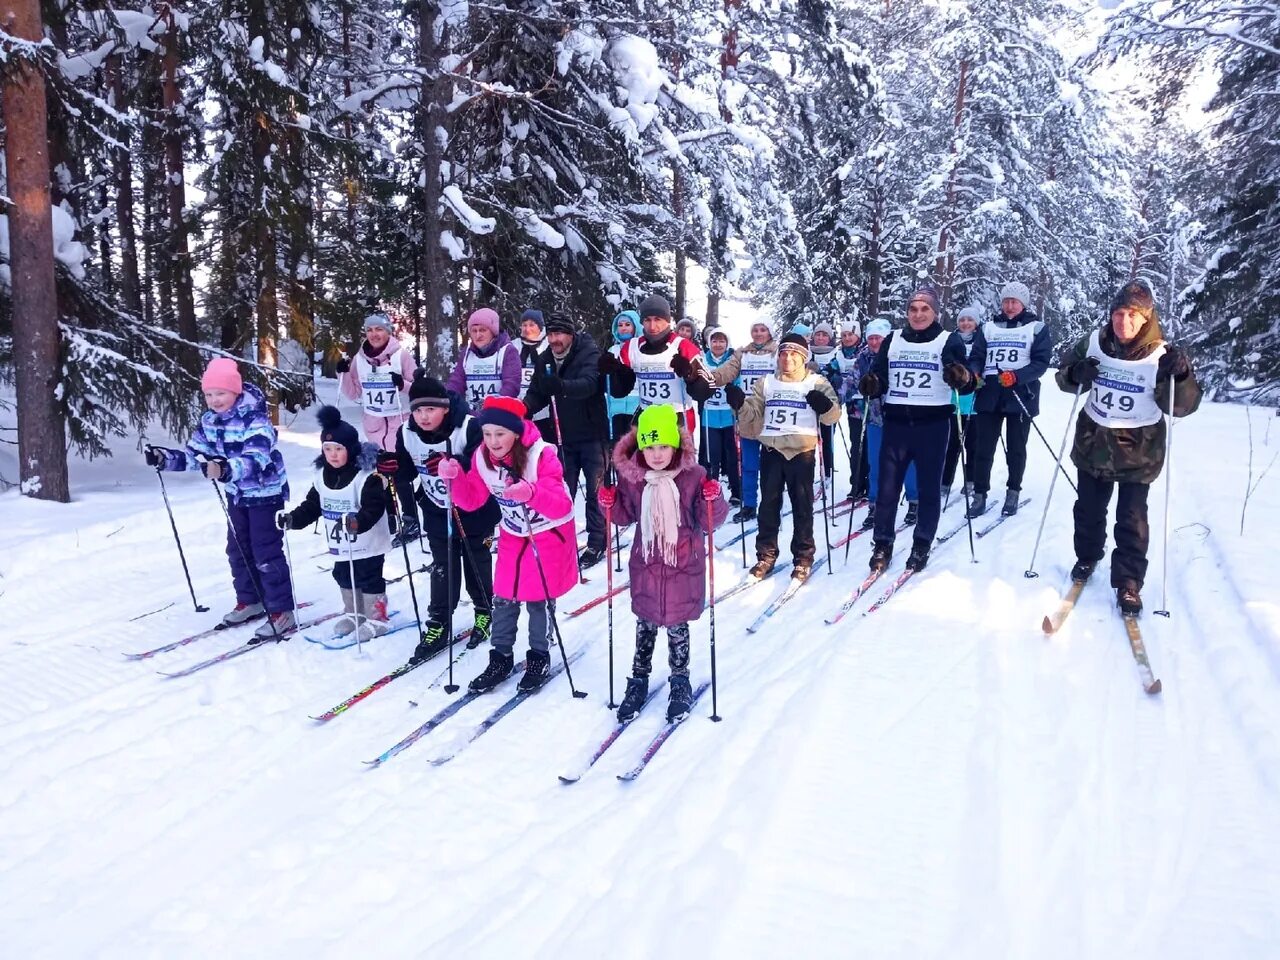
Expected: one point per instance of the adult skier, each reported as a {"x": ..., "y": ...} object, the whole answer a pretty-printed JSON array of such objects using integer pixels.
[
  {"x": 490, "y": 363},
  {"x": 533, "y": 341},
  {"x": 843, "y": 373},
  {"x": 378, "y": 378},
  {"x": 745, "y": 367}
]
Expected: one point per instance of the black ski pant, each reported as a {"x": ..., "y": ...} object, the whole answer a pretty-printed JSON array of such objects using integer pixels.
[
  {"x": 1133, "y": 533},
  {"x": 923, "y": 443},
  {"x": 677, "y": 648},
  {"x": 828, "y": 433},
  {"x": 859, "y": 468},
  {"x": 368, "y": 570},
  {"x": 475, "y": 567},
  {"x": 987, "y": 429},
  {"x": 585, "y": 459},
  {"x": 722, "y": 457},
  {"x": 953, "y": 451},
  {"x": 795, "y": 476}
]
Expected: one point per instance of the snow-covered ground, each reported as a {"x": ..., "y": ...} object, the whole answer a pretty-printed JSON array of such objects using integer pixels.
[{"x": 935, "y": 780}]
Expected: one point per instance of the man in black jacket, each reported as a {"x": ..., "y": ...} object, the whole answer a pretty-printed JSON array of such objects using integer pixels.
[{"x": 566, "y": 378}]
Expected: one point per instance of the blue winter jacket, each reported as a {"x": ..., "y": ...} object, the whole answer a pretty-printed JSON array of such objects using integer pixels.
[
  {"x": 245, "y": 437},
  {"x": 717, "y": 419}
]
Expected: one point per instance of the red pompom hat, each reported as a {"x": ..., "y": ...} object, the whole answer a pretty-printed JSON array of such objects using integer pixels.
[{"x": 505, "y": 412}]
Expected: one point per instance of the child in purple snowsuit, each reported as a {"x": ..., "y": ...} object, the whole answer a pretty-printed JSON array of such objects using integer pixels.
[
  {"x": 662, "y": 489},
  {"x": 235, "y": 444}
]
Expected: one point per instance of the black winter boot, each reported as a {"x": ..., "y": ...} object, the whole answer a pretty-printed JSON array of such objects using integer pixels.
[
  {"x": 482, "y": 631},
  {"x": 501, "y": 663},
  {"x": 1010, "y": 502},
  {"x": 977, "y": 506},
  {"x": 680, "y": 700},
  {"x": 913, "y": 513},
  {"x": 537, "y": 667},
  {"x": 1083, "y": 570},
  {"x": 1129, "y": 598},
  {"x": 918, "y": 559},
  {"x": 409, "y": 531},
  {"x": 745, "y": 514},
  {"x": 869, "y": 520},
  {"x": 881, "y": 555},
  {"x": 589, "y": 557},
  {"x": 633, "y": 699},
  {"x": 432, "y": 642}
]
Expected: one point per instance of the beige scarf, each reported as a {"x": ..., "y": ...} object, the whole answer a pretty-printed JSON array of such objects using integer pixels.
[{"x": 660, "y": 515}]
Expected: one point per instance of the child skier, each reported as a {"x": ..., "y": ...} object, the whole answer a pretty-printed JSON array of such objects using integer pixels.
[
  {"x": 622, "y": 410},
  {"x": 661, "y": 487},
  {"x": 1120, "y": 435},
  {"x": 378, "y": 379},
  {"x": 235, "y": 444},
  {"x": 784, "y": 412},
  {"x": 721, "y": 456},
  {"x": 822, "y": 352},
  {"x": 348, "y": 493},
  {"x": 533, "y": 341},
  {"x": 748, "y": 364},
  {"x": 440, "y": 426},
  {"x": 537, "y": 545},
  {"x": 842, "y": 371}
]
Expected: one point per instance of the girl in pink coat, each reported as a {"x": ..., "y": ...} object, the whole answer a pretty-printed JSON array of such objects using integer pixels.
[
  {"x": 378, "y": 378},
  {"x": 537, "y": 545}
]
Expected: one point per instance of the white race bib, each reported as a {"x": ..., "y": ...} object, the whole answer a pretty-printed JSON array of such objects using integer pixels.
[
  {"x": 786, "y": 411},
  {"x": 484, "y": 376},
  {"x": 915, "y": 373},
  {"x": 656, "y": 382},
  {"x": 753, "y": 367},
  {"x": 334, "y": 507},
  {"x": 1124, "y": 392},
  {"x": 378, "y": 394},
  {"x": 1008, "y": 348}
]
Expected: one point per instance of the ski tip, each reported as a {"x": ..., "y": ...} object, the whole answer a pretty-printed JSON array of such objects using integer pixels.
[
  {"x": 569, "y": 778},
  {"x": 323, "y": 718},
  {"x": 1047, "y": 627},
  {"x": 371, "y": 764},
  {"x": 629, "y": 776},
  {"x": 1154, "y": 688}
]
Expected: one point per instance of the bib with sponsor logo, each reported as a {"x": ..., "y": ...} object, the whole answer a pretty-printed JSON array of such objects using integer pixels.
[
  {"x": 915, "y": 373},
  {"x": 786, "y": 411},
  {"x": 334, "y": 506},
  {"x": 1008, "y": 348},
  {"x": 484, "y": 375},
  {"x": 514, "y": 514},
  {"x": 378, "y": 394},
  {"x": 419, "y": 451},
  {"x": 1124, "y": 392}
]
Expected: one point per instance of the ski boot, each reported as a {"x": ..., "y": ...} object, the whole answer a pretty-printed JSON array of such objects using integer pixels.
[
  {"x": 881, "y": 556},
  {"x": 432, "y": 642},
  {"x": 243, "y": 613},
  {"x": 801, "y": 570},
  {"x": 1083, "y": 570},
  {"x": 409, "y": 531},
  {"x": 589, "y": 557},
  {"x": 977, "y": 506},
  {"x": 869, "y": 520},
  {"x": 735, "y": 500},
  {"x": 344, "y": 625},
  {"x": 680, "y": 698},
  {"x": 918, "y": 559},
  {"x": 501, "y": 663},
  {"x": 278, "y": 627},
  {"x": 537, "y": 668},
  {"x": 913, "y": 513},
  {"x": 1129, "y": 598},
  {"x": 1010, "y": 502},
  {"x": 633, "y": 699},
  {"x": 744, "y": 515},
  {"x": 763, "y": 567},
  {"x": 373, "y": 610},
  {"x": 482, "y": 631}
]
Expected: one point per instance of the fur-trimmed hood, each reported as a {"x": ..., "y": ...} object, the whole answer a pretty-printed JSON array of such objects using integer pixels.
[{"x": 626, "y": 456}]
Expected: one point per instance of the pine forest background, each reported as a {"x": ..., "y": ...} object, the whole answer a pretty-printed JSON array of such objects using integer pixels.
[{"x": 255, "y": 176}]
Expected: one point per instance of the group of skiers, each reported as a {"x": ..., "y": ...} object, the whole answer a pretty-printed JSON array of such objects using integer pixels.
[{"x": 520, "y": 426}]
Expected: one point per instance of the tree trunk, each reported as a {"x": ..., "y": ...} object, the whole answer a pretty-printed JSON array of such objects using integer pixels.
[
  {"x": 176, "y": 246},
  {"x": 682, "y": 259},
  {"x": 945, "y": 264},
  {"x": 42, "y": 431},
  {"x": 432, "y": 115},
  {"x": 130, "y": 283}
]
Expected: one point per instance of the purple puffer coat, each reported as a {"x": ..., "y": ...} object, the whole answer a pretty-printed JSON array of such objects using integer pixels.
[{"x": 661, "y": 594}]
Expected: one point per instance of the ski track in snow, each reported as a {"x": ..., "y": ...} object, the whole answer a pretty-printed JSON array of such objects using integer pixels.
[{"x": 934, "y": 780}]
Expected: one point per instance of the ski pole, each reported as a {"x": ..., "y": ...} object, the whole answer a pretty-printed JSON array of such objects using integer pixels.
[
  {"x": 857, "y": 470},
  {"x": 178, "y": 540},
  {"x": 964, "y": 469},
  {"x": 288, "y": 558},
  {"x": 613, "y": 473},
  {"x": 356, "y": 595},
  {"x": 408, "y": 565},
  {"x": 450, "y": 687},
  {"x": 711, "y": 576},
  {"x": 826, "y": 519},
  {"x": 742, "y": 486},
  {"x": 1030, "y": 572},
  {"x": 555, "y": 415},
  {"x": 608, "y": 546},
  {"x": 248, "y": 566},
  {"x": 1168, "y": 494},
  {"x": 1048, "y": 446},
  {"x": 551, "y": 609}
]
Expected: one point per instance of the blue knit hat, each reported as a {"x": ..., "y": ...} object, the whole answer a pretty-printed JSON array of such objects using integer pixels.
[
  {"x": 333, "y": 429},
  {"x": 535, "y": 316}
]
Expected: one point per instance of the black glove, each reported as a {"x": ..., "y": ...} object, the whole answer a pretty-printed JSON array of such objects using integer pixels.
[
  {"x": 398, "y": 381},
  {"x": 869, "y": 386},
  {"x": 343, "y": 365},
  {"x": 388, "y": 464},
  {"x": 1173, "y": 363},
  {"x": 154, "y": 456},
  {"x": 682, "y": 366},
  {"x": 216, "y": 468},
  {"x": 820, "y": 402},
  {"x": 733, "y": 393},
  {"x": 1083, "y": 372},
  {"x": 956, "y": 375},
  {"x": 609, "y": 363},
  {"x": 548, "y": 383},
  {"x": 283, "y": 520}
]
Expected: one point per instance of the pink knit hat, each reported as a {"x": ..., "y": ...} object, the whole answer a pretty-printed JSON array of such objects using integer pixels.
[
  {"x": 222, "y": 374},
  {"x": 484, "y": 317}
]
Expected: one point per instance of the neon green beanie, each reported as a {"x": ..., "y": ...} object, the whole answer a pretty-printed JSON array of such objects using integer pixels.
[{"x": 658, "y": 426}]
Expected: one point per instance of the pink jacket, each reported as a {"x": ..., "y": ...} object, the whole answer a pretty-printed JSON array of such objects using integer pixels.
[
  {"x": 382, "y": 430},
  {"x": 516, "y": 576}
]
